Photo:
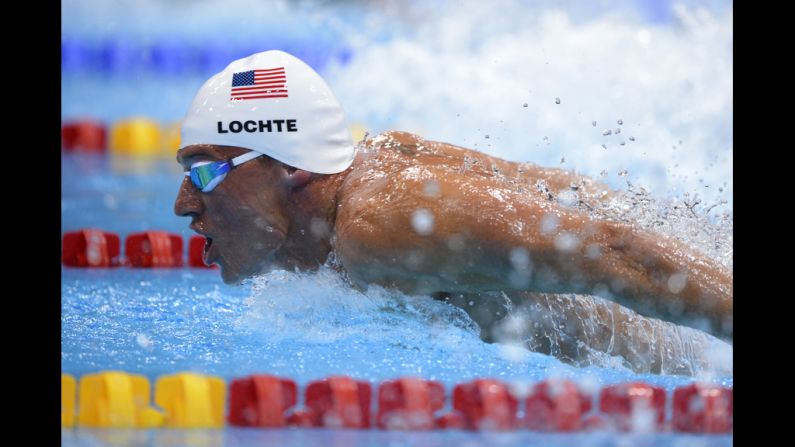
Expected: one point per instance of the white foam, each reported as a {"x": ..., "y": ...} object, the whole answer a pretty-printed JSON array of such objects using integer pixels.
[{"x": 460, "y": 72}]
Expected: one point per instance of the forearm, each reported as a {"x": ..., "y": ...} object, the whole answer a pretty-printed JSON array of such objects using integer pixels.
[
  {"x": 487, "y": 236},
  {"x": 653, "y": 272},
  {"x": 586, "y": 330}
]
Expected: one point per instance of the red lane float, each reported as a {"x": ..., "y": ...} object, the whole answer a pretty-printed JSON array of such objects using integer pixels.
[
  {"x": 595, "y": 422},
  {"x": 301, "y": 418},
  {"x": 83, "y": 136},
  {"x": 260, "y": 401},
  {"x": 486, "y": 404},
  {"x": 409, "y": 403},
  {"x": 154, "y": 249},
  {"x": 338, "y": 402},
  {"x": 452, "y": 421},
  {"x": 634, "y": 406},
  {"x": 703, "y": 408},
  {"x": 556, "y": 405},
  {"x": 268, "y": 401},
  {"x": 90, "y": 247},
  {"x": 196, "y": 252}
]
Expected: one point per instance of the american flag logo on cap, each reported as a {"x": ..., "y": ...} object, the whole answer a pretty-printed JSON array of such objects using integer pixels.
[{"x": 258, "y": 84}]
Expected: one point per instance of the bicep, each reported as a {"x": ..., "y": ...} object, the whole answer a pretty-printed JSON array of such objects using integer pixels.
[{"x": 469, "y": 235}]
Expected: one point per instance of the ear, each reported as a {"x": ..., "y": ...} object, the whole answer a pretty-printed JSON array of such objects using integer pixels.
[{"x": 298, "y": 178}]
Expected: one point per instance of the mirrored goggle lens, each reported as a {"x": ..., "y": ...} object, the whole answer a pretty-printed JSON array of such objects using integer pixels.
[{"x": 202, "y": 175}]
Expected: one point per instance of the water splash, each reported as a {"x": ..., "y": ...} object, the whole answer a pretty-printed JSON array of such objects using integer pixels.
[
  {"x": 686, "y": 218},
  {"x": 638, "y": 87}
]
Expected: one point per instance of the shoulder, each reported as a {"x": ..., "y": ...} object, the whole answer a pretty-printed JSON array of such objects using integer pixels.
[
  {"x": 404, "y": 154},
  {"x": 384, "y": 163},
  {"x": 387, "y": 152},
  {"x": 392, "y": 139},
  {"x": 403, "y": 168},
  {"x": 391, "y": 177}
]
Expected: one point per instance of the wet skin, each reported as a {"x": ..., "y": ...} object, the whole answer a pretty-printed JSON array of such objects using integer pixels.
[
  {"x": 256, "y": 219},
  {"x": 491, "y": 231}
]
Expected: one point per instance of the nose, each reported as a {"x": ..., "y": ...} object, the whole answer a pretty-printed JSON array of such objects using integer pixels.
[{"x": 188, "y": 202}]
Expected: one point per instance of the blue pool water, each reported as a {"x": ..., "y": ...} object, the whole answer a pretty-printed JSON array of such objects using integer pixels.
[
  {"x": 350, "y": 438},
  {"x": 607, "y": 62},
  {"x": 304, "y": 326}
]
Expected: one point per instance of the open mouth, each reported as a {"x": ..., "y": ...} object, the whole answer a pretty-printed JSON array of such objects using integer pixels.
[{"x": 208, "y": 241}]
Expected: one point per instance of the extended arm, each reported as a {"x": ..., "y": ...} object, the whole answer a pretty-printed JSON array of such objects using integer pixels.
[
  {"x": 486, "y": 236},
  {"x": 587, "y": 330},
  {"x": 428, "y": 217}
]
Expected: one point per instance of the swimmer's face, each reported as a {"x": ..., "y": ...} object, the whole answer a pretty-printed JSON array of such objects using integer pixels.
[{"x": 244, "y": 218}]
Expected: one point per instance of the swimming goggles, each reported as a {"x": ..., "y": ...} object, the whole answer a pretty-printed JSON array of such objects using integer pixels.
[{"x": 206, "y": 175}]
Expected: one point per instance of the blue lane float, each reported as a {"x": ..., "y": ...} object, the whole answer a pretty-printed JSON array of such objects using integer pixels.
[{"x": 119, "y": 56}]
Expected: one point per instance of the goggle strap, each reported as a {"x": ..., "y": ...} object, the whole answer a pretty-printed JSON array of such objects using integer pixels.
[{"x": 244, "y": 158}]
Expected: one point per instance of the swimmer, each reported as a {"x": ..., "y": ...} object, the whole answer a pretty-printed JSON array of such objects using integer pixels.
[{"x": 274, "y": 181}]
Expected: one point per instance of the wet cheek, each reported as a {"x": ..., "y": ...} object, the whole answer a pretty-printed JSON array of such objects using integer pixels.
[
  {"x": 262, "y": 224},
  {"x": 256, "y": 226}
]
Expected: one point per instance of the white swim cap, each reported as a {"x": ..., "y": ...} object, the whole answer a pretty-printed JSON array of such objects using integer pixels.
[{"x": 275, "y": 104}]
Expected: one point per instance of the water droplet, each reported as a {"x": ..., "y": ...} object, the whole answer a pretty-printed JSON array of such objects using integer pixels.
[
  {"x": 677, "y": 282},
  {"x": 557, "y": 100},
  {"x": 622, "y": 143},
  {"x": 623, "y": 172},
  {"x": 319, "y": 228},
  {"x": 631, "y": 138},
  {"x": 567, "y": 242},
  {"x": 524, "y": 105},
  {"x": 422, "y": 221},
  {"x": 562, "y": 160},
  {"x": 143, "y": 341},
  {"x": 593, "y": 123},
  {"x": 620, "y": 122},
  {"x": 486, "y": 137},
  {"x": 546, "y": 139},
  {"x": 607, "y": 132},
  {"x": 603, "y": 173},
  {"x": 617, "y": 131},
  {"x": 431, "y": 189},
  {"x": 568, "y": 198},
  {"x": 549, "y": 223},
  {"x": 593, "y": 251},
  {"x": 604, "y": 147},
  {"x": 110, "y": 201},
  {"x": 520, "y": 258}
]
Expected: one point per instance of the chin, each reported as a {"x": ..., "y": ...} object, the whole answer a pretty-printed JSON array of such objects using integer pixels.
[{"x": 231, "y": 277}]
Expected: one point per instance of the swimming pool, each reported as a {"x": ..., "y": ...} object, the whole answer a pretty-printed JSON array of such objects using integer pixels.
[
  {"x": 310, "y": 326},
  {"x": 301, "y": 326}
]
